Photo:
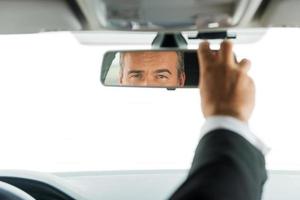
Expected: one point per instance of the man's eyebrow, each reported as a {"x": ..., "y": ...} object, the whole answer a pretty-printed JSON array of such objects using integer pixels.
[
  {"x": 135, "y": 71},
  {"x": 162, "y": 71}
]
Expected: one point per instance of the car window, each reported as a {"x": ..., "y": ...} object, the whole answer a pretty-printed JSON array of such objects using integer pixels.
[{"x": 56, "y": 116}]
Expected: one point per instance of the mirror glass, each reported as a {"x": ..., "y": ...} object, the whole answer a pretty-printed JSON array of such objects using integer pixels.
[{"x": 151, "y": 68}]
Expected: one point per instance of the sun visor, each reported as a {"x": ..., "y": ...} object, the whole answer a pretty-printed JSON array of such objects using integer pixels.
[
  {"x": 281, "y": 13},
  {"x": 32, "y": 16}
]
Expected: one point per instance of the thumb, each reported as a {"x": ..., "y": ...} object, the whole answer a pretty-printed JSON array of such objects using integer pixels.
[{"x": 244, "y": 65}]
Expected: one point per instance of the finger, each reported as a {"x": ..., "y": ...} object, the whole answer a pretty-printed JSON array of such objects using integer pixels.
[
  {"x": 204, "y": 54},
  {"x": 226, "y": 53},
  {"x": 244, "y": 65},
  {"x": 204, "y": 51},
  {"x": 204, "y": 45}
]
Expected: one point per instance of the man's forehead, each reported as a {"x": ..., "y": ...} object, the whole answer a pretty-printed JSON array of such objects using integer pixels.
[{"x": 151, "y": 56}]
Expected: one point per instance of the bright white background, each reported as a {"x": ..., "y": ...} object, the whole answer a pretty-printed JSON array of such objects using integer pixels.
[{"x": 56, "y": 116}]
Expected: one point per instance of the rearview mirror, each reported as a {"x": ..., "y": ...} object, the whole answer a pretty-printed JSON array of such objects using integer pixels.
[{"x": 151, "y": 68}]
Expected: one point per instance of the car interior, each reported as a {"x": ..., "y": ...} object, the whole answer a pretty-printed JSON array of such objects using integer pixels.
[{"x": 62, "y": 158}]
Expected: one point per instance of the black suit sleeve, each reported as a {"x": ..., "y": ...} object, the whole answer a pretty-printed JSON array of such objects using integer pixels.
[{"x": 225, "y": 167}]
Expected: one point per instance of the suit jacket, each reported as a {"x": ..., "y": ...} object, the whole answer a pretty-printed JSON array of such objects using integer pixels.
[{"x": 225, "y": 167}]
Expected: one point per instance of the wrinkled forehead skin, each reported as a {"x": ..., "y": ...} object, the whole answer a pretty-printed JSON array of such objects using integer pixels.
[{"x": 150, "y": 59}]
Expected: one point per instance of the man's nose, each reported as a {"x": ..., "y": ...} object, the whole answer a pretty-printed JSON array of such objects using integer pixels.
[
  {"x": 147, "y": 82},
  {"x": 144, "y": 82},
  {"x": 150, "y": 81}
]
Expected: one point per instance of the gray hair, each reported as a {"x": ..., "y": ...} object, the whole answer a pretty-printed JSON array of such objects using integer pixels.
[{"x": 179, "y": 66}]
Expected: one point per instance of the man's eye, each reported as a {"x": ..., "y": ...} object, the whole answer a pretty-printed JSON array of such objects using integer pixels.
[
  {"x": 136, "y": 76},
  {"x": 160, "y": 76}
]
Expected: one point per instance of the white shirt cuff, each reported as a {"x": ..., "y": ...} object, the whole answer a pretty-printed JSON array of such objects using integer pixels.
[{"x": 237, "y": 126}]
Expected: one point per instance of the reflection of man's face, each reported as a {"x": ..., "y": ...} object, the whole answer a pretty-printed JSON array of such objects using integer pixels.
[{"x": 151, "y": 69}]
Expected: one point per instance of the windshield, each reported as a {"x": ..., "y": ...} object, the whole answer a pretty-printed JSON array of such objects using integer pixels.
[{"x": 56, "y": 116}]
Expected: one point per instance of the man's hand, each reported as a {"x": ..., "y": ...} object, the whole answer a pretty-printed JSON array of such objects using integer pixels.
[{"x": 225, "y": 87}]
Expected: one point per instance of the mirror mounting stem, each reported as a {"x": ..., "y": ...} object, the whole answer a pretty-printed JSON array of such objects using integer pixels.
[{"x": 169, "y": 40}]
